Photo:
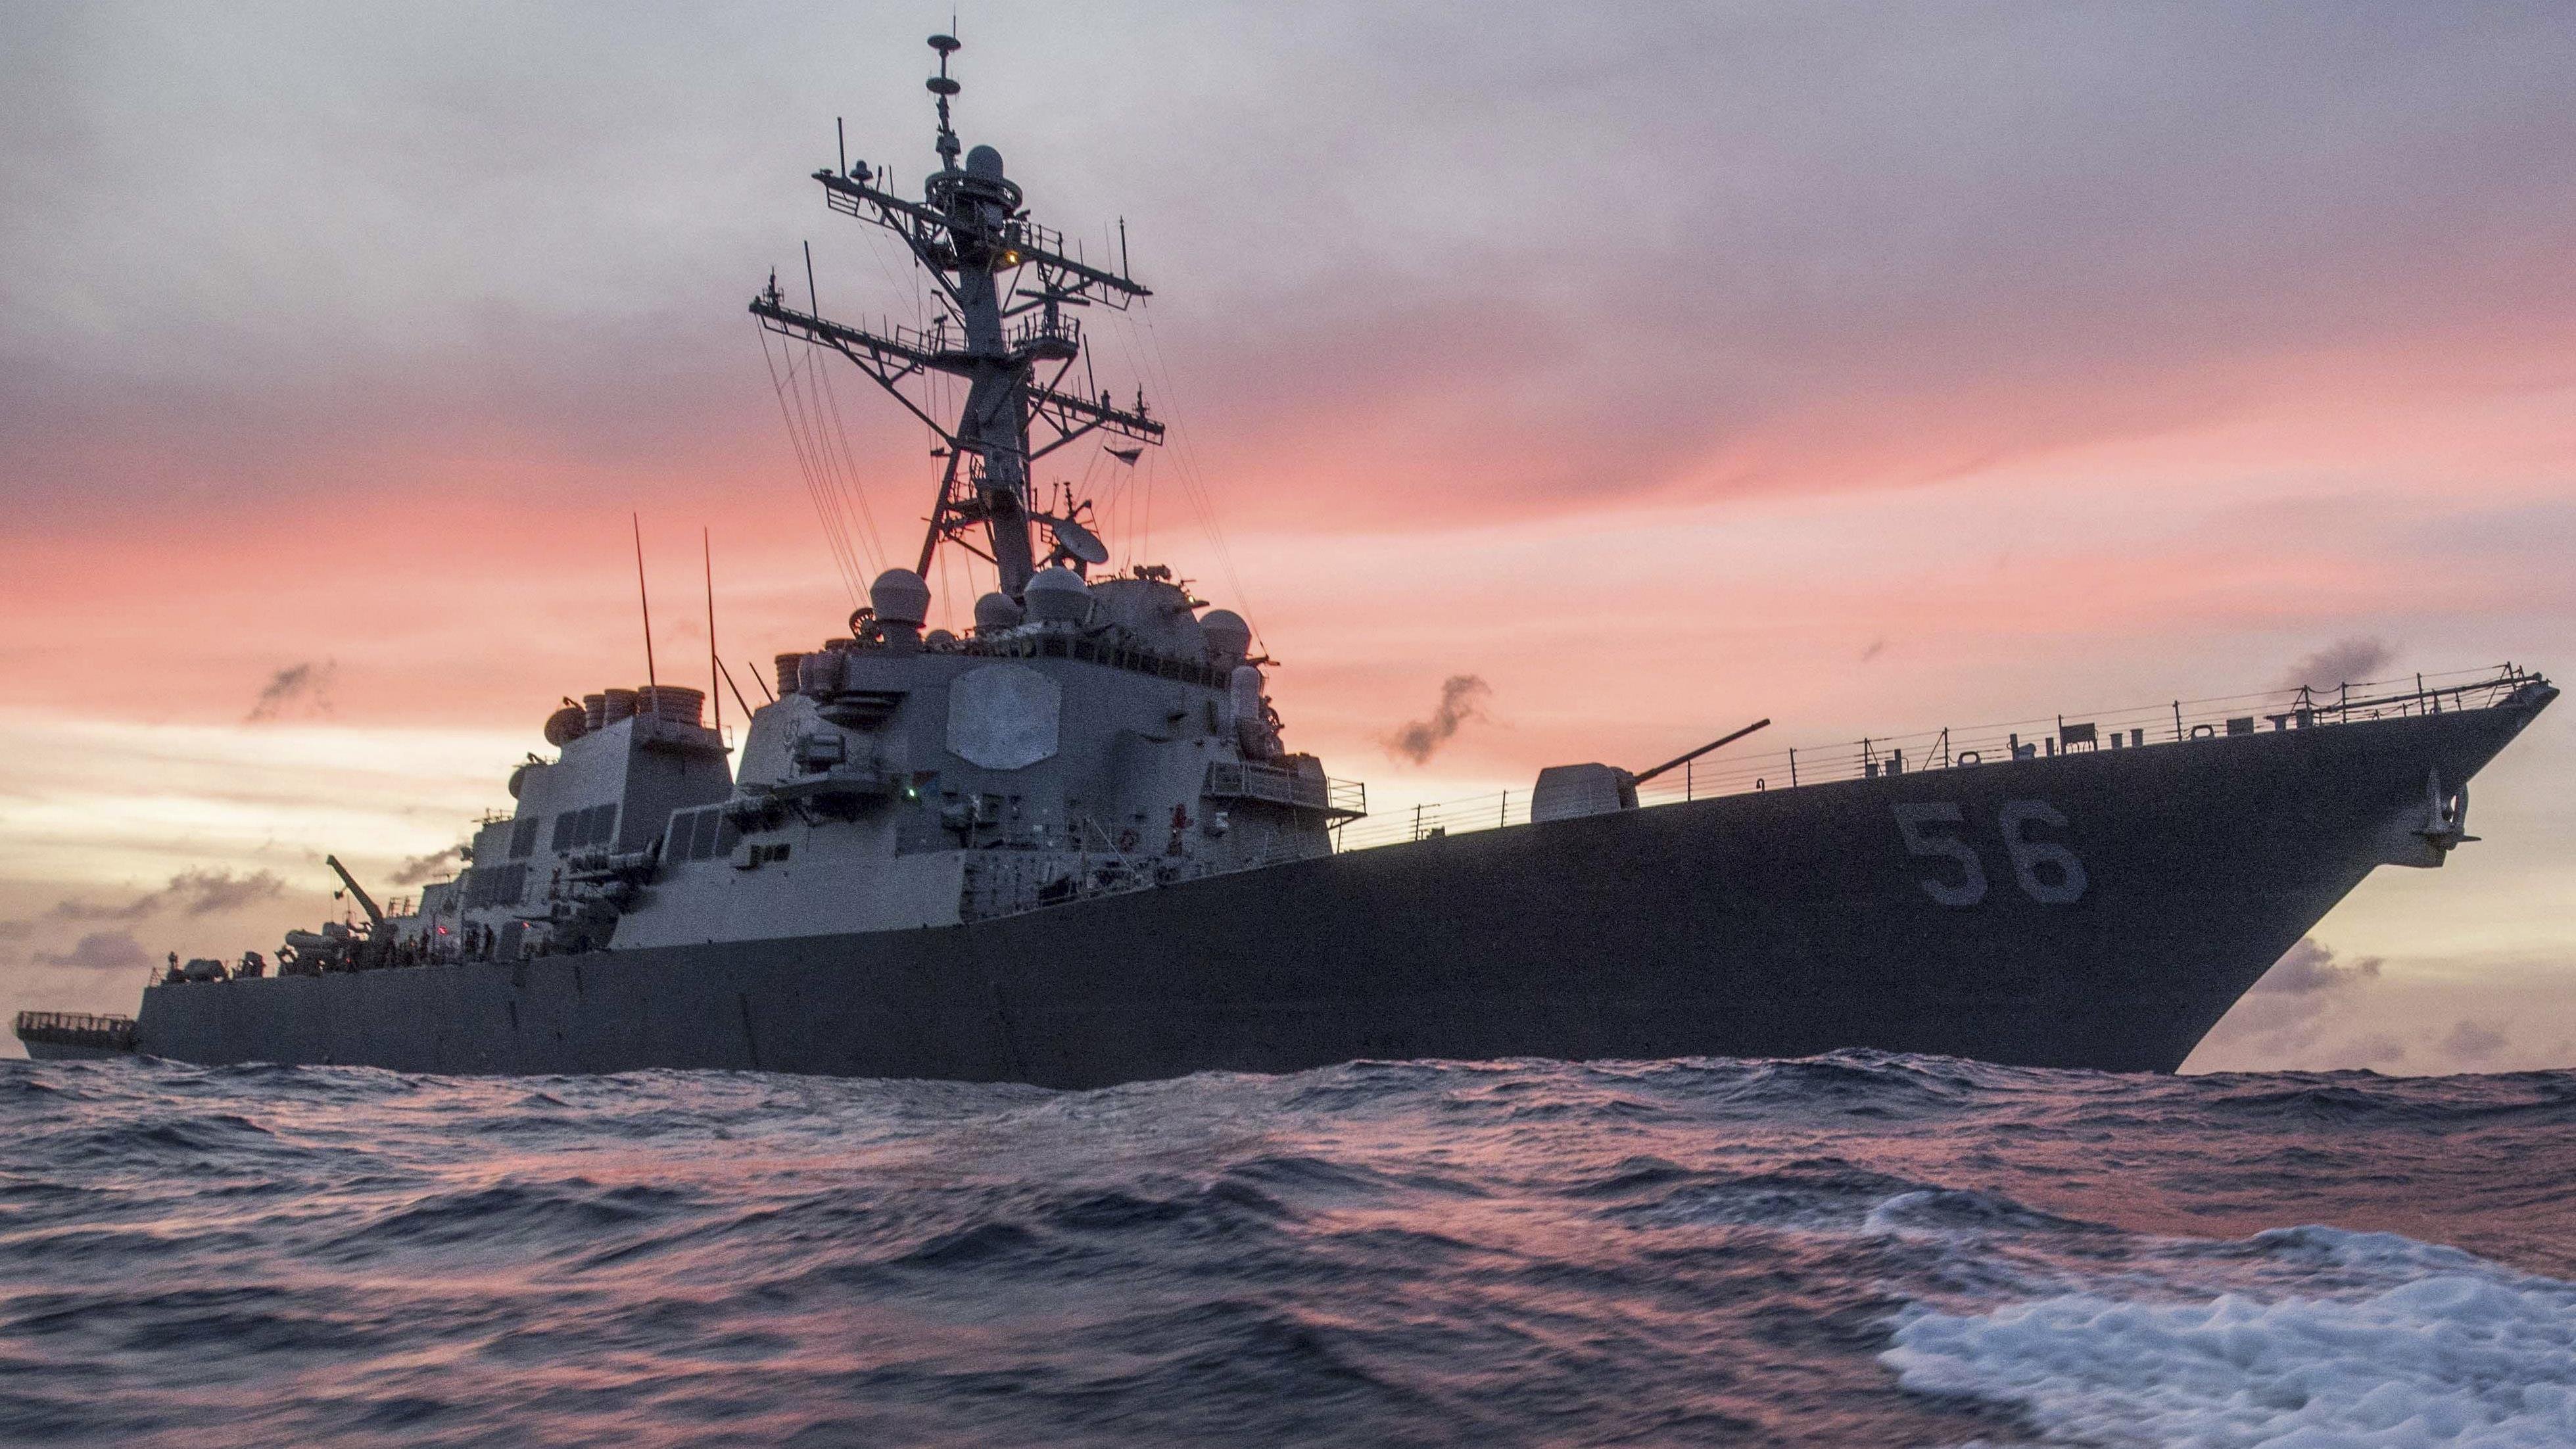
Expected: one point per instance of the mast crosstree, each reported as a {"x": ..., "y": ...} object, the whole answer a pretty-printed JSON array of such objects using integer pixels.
[{"x": 1005, "y": 283}]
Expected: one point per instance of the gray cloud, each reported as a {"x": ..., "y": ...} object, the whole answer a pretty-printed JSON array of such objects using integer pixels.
[
  {"x": 1461, "y": 699},
  {"x": 2346, "y": 661},
  {"x": 2319, "y": 1010},
  {"x": 2311, "y": 966},
  {"x": 421, "y": 869},
  {"x": 206, "y": 892},
  {"x": 2291, "y": 1011},
  {"x": 2000, "y": 227},
  {"x": 100, "y": 951},
  {"x": 304, "y": 685},
  {"x": 2472, "y": 1042},
  {"x": 189, "y": 893}
]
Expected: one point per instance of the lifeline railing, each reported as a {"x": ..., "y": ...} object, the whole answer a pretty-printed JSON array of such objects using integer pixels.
[
  {"x": 2180, "y": 721},
  {"x": 1251, "y": 780},
  {"x": 78, "y": 1027}
]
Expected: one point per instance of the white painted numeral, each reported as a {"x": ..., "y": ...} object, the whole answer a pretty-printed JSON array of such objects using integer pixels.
[
  {"x": 1971, "y": 885},
  {"x": 2028, "y": 856},
  {"x": 2048, "y": 872}
]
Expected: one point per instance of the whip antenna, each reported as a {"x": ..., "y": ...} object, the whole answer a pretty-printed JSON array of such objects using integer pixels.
[
  {"x": 715, "y": 666},
  {"x": 651, "y": 681}
]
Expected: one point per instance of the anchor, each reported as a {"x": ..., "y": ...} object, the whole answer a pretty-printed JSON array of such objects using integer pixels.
[
  {"x": 2446, "y": 816},
  {"x": 2423, "y": 835}
]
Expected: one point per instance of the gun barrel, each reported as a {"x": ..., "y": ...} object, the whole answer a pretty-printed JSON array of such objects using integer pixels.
[{"x": 1679, "y": 760}]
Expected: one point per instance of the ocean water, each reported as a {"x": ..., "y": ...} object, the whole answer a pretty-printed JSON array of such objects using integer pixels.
[{"x": 1854, "y": 1250}]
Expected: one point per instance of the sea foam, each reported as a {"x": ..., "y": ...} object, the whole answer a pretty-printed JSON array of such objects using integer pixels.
[{"x": 2477, "y": 1358}]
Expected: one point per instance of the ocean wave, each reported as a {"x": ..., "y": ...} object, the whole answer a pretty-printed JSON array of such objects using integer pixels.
[{"x": 1859, "y": 1248}]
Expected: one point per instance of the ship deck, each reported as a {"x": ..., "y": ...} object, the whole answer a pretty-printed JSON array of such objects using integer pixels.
[{"x": 2175, "y": 723}]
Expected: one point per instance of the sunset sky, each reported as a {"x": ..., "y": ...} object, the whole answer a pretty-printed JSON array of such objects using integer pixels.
[{"x": 1868, "y": 367}]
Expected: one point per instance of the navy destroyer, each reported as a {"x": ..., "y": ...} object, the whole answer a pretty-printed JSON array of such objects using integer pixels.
[{"x": 1071, "y": 847}]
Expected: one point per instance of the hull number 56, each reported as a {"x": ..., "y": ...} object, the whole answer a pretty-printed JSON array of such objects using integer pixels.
[{"x": 2047, "y": 871}]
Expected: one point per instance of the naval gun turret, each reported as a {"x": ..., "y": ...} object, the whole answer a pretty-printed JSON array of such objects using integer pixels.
[{"x": 1567, "y": 792}]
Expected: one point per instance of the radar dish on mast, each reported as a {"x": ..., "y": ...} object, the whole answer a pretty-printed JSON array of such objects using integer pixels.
[{"x": 1078, "y": 541}]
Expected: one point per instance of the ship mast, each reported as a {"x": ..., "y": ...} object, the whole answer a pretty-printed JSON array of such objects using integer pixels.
[{"x": 1004, "y": 282}]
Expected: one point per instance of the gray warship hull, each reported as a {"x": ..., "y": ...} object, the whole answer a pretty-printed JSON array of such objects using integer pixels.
[
  {"x": 51, "y": 1051},
  {"x": 1777, "y": 923}
]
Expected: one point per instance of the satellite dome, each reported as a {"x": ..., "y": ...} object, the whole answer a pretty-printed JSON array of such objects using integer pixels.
[
  {"x": 1228, "y": 637},
  {"x": 900, "y": 597},
  {"x": 567, "y": 725},
  {"x": 984, "y": 163},
  {"x": 996, "y": 612},
  {"x": 1057, "y": 596}
]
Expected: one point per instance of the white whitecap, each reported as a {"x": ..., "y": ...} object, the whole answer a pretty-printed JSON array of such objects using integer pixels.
[{"x": 2478, "y": 1359}]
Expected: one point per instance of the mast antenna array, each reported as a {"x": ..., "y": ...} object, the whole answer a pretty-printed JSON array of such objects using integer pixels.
[{"x": 1004, "y": 283}]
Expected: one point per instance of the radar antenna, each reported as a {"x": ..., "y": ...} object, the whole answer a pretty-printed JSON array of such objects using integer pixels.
[{"x": 1003, "y": 284}]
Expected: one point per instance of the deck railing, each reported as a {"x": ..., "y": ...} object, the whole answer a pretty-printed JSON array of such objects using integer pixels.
[
  {"x": 1252, "y": 780},
  {"x": 2181, "y": 721},
  {"x": 77, "y": 1028}
]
